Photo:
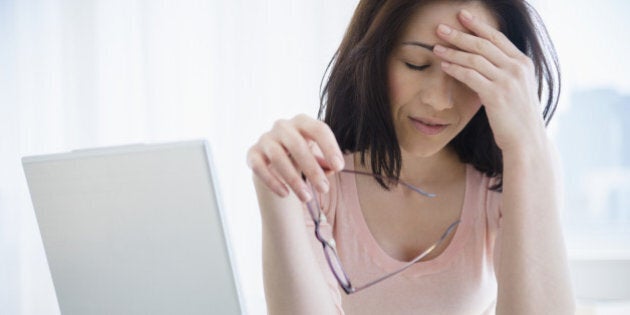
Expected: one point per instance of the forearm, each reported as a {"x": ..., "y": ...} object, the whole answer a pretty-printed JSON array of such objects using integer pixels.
[
  {"x": 533, "y": 276},
  {"x": 293, "y": 280}
]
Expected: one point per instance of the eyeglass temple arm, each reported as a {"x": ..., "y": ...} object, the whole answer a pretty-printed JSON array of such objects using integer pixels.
[
  {"x": 412, "y": 187},
  {"x": 415, "y": 260}
]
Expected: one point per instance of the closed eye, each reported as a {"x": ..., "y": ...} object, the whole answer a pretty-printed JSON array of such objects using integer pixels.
[{"x": 414, "y": 67}]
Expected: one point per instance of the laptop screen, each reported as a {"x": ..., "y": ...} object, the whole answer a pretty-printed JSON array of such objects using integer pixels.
[{"x": 134, "y": 230}]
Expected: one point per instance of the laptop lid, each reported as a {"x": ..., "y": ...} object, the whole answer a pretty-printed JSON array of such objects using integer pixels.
[{"x": 134, "y": 230}]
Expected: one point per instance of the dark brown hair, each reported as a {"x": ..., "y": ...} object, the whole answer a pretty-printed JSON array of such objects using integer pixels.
[{"x": 355, "y": 97}]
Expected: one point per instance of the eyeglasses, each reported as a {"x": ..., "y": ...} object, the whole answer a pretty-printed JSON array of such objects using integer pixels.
[{"x": 328, "y": 242}]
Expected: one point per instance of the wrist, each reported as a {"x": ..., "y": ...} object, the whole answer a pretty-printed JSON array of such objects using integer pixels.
[
  {"x": 528, "y": 159},
  {"x": 529, "y": 147}
]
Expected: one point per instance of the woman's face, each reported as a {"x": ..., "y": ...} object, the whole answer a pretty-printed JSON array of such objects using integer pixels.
[{"x": 429, "y": 108}]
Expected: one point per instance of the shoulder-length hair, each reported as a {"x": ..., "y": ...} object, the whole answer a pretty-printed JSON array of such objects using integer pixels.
[{"x": 354, "y": 100}]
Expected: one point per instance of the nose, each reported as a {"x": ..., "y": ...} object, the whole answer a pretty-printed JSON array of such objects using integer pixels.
[{"x": 439, "y": 92}]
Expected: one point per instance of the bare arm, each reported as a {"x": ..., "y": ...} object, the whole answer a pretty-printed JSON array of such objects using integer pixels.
[
  {"x": 294, "y": 282},
  {"x": 533, "y": 274},
  {"x": 532, "y": 267},
  {"x": 294, "y": 279}
]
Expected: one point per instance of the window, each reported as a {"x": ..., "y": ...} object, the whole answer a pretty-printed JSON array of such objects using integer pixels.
[{"x": 591, "y": 127}]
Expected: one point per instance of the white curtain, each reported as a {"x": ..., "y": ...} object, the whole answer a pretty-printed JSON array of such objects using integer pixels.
[{"x": 87, "y": 73}]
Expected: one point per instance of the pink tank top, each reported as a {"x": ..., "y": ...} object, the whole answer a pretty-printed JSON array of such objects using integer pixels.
[{"x": 461, "y": 280}]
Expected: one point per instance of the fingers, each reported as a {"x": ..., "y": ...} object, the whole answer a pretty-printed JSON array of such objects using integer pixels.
[
  {"x": 485, "y": 41},
  {"x": 270, "y": 162},
  {"x": 484, "y": 38},
  {"x": 492, "y": 35},
  {"x": 257, "y": 163},
  {"x": 474, "y": 45},
  {"x": 302, "y": 160},
  {"x": 484, "y": 60},
  {"x": 473, "y": 61},
  {"x": 468, "y": 76},
  {"x": 489, "y": 40},
  {"x": 294, "y": 147},
  {"x": 324, "y": 138}
]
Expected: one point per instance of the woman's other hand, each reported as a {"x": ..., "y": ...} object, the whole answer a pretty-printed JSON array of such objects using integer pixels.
[
  {"x": 301, "y": 145},
  {"x": 503, "y": 77}
]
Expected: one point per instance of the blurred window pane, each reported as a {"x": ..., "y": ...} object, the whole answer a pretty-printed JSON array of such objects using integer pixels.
[{"x": 592, "y": 124}]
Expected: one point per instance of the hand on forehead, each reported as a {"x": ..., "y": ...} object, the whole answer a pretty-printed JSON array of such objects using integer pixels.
[{"x": 423, "y": 23}]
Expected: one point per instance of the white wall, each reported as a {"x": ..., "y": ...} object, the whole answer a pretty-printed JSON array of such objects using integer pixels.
[
  {"x": 84, "y": 73},
  {"x": 77, "y": 73}
]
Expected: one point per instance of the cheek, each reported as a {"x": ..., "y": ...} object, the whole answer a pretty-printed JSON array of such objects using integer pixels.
[
  {"x": 473, "y": 113},
  {"x": 393, "y": 86},
  {"x": 399, "y": 84},
  {"x": 469, "y": 107},
  {"x": 474, "y": 103}
]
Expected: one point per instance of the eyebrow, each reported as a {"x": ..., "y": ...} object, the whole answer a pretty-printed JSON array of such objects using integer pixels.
[{"x": 423, "y": 45}]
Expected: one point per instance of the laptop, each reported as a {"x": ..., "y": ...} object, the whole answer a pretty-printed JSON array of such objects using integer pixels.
[{"x": 134, "y": 230}]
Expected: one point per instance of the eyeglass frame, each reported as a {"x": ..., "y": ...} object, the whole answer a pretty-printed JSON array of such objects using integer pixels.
[{"x": 345, "y": 283}]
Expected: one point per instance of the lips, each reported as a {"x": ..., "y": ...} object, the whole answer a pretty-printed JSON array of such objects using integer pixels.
[{"x": 427, "y": 126}]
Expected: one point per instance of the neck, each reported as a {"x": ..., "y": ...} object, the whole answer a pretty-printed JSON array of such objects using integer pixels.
[
  {"x": 441, "y": 167},
  {"x": 437, "y": 168}
]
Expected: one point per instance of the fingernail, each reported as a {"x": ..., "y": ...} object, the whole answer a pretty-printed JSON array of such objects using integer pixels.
[
  {"x": 337, "y": 163},
  {"x": 439, "y": 49},
  {"x": 466, "y": 15},
  {"x": 323, "y": 186},
  {"x": 305, "y": 195},
  {"x": 283, "y": 192},
  {"x": 445, "y": 64},
  {"x": 444, "y": 29}
]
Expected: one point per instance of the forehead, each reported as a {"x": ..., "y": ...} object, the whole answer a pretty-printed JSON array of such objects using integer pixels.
[{"x": 423, "y": 22}]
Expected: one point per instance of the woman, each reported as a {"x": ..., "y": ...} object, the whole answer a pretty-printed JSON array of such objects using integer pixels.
[{"x": 438, "y": 95}]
